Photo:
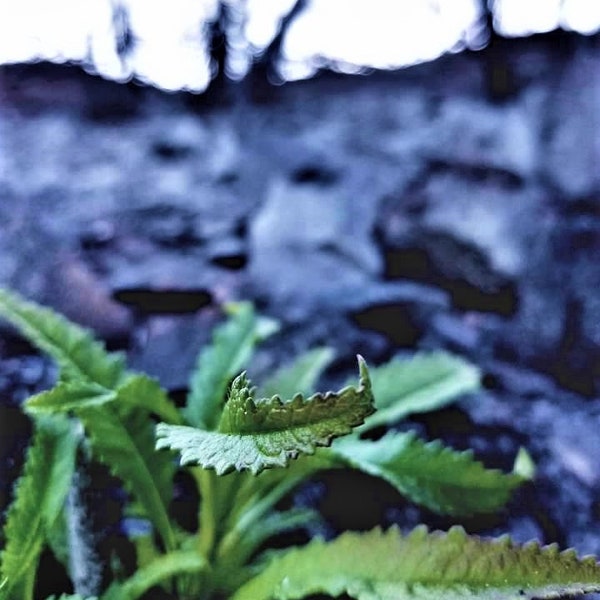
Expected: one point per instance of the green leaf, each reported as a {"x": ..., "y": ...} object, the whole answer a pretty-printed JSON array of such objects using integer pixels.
[
  {"x": 78, "y": 355},
  {"x": 232, "y": 345},
  {"x": 422, "y": 565},
  {"x": 142, "y": 391},
  {"x": 136, "y": 391},
  {"x": 259, "y": 434},
  {"x": 159, "y": 570},
  {"x": 299, "y": 377},
  {"x": 248, "y": 540},
  {"x": 127, "y": 448},
  {"x": 66, "y": 396},
  {"x": 255, "y": 496},
  {"x": 524, "y": 466},
  {"x": 237, "y": 547},
  {"x": 57, "y": 538},
  {"x": 443, "y": 480},
  {"x": 123, "y": 440},
  {"x": 39, "y": 497},
  {"x": 420, "y": 384}
]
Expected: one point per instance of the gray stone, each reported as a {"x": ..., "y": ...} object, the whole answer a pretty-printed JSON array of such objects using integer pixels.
[
  {"x": 498, "y": 220},
  {"x": 573, "y": 153}
]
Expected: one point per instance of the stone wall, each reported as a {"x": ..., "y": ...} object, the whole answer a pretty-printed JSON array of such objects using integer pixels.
[{"x": 454, "y": 205}]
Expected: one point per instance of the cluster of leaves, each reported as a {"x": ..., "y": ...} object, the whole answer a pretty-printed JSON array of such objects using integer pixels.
[{"x": 246, "y": 451}]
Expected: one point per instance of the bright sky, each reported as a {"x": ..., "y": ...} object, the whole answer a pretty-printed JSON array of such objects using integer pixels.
[{"x": 347, "y": 35}]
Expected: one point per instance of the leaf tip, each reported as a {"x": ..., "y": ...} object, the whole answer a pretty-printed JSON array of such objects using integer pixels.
[
  {"x": 363, "y": 369},
  {"x": 524, "y": 465}
]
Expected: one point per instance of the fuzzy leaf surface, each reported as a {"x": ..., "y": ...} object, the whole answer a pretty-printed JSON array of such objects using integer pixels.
[
  {"x": 434, "y": 566},
  {"x": 232, "y": 345},
  {"x": 430, "y": 474},
  {"x": 299, "y": 377},
  {"x": 127, "y": 448},
  {"x": 420, "y": 384},
  {"x": 258, "y": 434},
  {"x": 39, "y": 496},
  {"x": 159, "y": 570},
  {"x": 77, "y": 353}
]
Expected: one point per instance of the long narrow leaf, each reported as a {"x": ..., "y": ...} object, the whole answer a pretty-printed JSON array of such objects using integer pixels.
[
  {"x": 127, "y": 448},
  {"x": 436, "y": 566},
  {"x": 66, "y": 396},
  {"x": 77, "y": 353},
  {"x": 39, "y": 497},
  {"x": 272, "y": 524},
  {"x": 142, "y": 391},
  {"x": 159, "y": 570},
  {"x": 443, "y": 480},
  {"x": 231, "y": 347},
  {"x": 136, "y": 391},
  {"x": 420, "y": 384}
]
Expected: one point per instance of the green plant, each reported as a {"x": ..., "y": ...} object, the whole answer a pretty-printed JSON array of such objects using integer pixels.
[{"x": 245, "y": 455}]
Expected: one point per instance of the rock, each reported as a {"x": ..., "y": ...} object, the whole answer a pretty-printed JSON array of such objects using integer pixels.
[
  {"x": 497, "y": 219},
  {"x": 162, "y": 338},
  {"x": 573, "y": 154},
  {"x": 308, "y": 242},
  {"x": 79, "y": 294},
  {"x": 472, "y": 134},
  {"x": 557, "y": 325}
]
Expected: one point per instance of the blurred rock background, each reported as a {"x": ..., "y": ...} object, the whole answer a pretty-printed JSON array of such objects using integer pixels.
[{"x": 453, "y": 204}]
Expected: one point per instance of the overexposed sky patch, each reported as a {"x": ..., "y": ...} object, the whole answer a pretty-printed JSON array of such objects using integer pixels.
[
  {"x": 375, "y": 33},
  {"x": 169, "y": 47},
  {"x": 170, "y": 50},
  {"x": 517, "y": 18}
]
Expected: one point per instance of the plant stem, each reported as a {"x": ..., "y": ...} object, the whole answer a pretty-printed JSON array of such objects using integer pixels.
[
  {"x": 207, "y": 517},
  {"x": 253, "y": 511},
  {"x": 29, "y": 584}
]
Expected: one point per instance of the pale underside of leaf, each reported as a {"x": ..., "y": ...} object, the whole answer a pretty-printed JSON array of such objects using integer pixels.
[
  {"x": 420, "y": 384},
  {"x": 442, "y": 479},
  {"x": 436, "y": 566},
  {"x": 78, "y": 355},
  {"x": 255, "y": 435}
]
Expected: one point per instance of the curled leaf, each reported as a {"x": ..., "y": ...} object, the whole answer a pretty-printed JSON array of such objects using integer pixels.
[{"x": 258, "y": 434}]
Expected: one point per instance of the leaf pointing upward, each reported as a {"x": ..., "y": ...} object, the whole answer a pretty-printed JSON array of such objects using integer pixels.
[
  {"x": 233, "y": 343},
  {"x": 39, "y": 496},
  {"x": 78, "y": 355},
  {"x": 257, "y": 434}
]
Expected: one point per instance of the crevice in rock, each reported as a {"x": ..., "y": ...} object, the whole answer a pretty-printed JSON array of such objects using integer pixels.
[{"x": 152, "y": 301}]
